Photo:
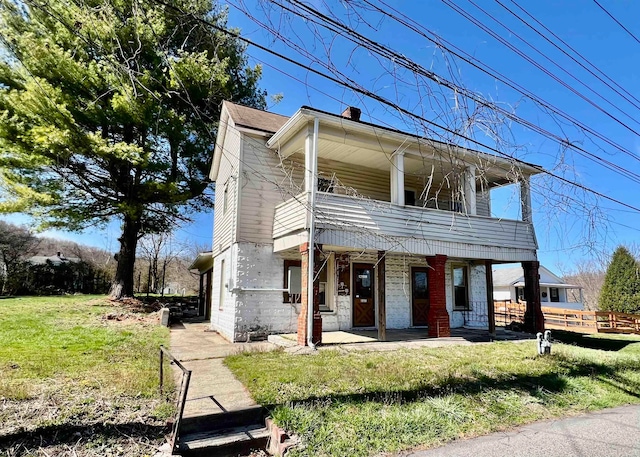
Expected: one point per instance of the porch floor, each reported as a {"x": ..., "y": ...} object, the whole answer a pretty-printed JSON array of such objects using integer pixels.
[{"x": 408, "y": 338}]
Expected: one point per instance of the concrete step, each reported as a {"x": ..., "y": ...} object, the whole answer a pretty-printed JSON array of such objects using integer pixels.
[
  {"x": 223, "y": 420},
  {"x": 224, "y": 443}
]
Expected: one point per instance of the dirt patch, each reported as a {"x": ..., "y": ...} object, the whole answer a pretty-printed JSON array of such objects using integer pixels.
[{"x": 81, "y": 422}]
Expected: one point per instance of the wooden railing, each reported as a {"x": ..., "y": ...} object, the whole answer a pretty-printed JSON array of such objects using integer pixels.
[{"x": 572, "y": 320}]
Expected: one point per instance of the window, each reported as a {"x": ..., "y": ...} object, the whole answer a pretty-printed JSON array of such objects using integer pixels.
[
  {"x": 225, "y": 199},
  {"x": 325, "y": 185},
  {"x": 293, "y": 270},
  {"x": 460, "y": 288},
  {"x": 520, "y": 294},
  {"x": 555, "y": 294},
  {"x": 325, "y": 285},
  {"x": 409, "y": 197},
  {"x": 222, "y": 285}
]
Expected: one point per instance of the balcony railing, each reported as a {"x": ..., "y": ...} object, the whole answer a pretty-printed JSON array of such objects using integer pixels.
[{"x": 360, "y": 222}]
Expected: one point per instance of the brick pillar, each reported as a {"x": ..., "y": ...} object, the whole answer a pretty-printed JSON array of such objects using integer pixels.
[
  {"x": 438, "y": 319},
  {"x": 533, "y": 317},
  {"x": 304, "y": 305}
]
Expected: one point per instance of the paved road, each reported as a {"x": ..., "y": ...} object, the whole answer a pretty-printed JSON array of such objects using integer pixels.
[{"x": 609, "y": 433}]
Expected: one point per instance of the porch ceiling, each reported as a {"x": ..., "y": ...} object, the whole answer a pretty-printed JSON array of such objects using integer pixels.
[{"x": 428, "y": 162}]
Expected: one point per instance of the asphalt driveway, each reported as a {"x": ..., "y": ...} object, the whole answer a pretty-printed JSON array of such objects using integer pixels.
[{"x": 608, "y": 433}]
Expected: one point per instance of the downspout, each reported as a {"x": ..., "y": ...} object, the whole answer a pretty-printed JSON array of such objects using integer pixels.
[{"x": 312, "y": 242}]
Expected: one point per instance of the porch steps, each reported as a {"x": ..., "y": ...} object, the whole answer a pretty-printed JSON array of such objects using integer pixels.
[{"x": 229, "y": 433}]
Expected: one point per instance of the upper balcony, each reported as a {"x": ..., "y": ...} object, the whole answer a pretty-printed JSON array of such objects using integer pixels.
[
  {"x": 359, "y": 223},
  {"x": 381, "y": 189}
]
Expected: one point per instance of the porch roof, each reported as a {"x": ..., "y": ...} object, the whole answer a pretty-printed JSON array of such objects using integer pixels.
[{"x": 353, "y": 141}]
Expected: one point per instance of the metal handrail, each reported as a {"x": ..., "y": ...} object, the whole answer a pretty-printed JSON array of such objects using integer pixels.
[{"x": 182, "y": 398}]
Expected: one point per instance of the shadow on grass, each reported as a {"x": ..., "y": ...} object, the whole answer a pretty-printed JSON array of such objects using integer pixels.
[
  {"x": 586, "y": 341},
  {"x": 24, "y": 443},
  {"x": 552, "y": 382}
]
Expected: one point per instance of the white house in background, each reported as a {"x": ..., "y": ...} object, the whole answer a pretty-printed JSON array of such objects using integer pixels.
[
  {"x": 508, "y": 284},
  {"x": 400, "y": 227}
]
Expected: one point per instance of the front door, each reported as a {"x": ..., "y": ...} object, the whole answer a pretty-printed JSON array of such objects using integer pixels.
[
  {"x": 419, "y": 297},
  {"x": 363, "y": 296}
]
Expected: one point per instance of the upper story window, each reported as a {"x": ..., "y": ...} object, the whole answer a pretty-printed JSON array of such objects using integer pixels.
[
  {"x": 410, "y": 197},
  {"x": 325, "y": 185},
  {"x": 225, "y": 199}
]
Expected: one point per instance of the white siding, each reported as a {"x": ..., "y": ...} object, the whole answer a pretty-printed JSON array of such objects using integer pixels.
[
  {"x": 224, "y": 220},
  {"x": 264, "y": 185}
]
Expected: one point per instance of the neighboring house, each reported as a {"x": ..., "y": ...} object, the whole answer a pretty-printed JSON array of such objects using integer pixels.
[
  {"x": 204, "y": 265},
  {"x": 54, "y": 260},
  {"x": 508, "y": 284},
  {"x": 401, "y": 226}
]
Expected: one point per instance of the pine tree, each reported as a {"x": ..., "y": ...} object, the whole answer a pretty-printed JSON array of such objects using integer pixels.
[
  {"x": 621, "y": 289},
  {"x": 108, "y": 109}
]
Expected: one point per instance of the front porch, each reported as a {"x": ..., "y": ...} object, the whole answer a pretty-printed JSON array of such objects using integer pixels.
[{"x": 401, "y": 339}]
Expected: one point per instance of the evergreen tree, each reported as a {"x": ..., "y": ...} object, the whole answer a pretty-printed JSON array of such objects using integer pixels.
[
  {"x": 621, "y": 289},
  {"x": 108, "y": 108}
]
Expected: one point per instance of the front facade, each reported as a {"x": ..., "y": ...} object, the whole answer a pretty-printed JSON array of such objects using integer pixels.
[
  {"x": 508, "y": 286},
  {"x": 324, "y": 222}
]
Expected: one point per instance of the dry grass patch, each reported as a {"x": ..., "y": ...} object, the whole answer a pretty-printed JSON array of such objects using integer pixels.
[{"x": 74, "y": 378}]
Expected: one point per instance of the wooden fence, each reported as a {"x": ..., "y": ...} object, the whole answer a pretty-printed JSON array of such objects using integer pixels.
[{"x": 572, "y": 320}]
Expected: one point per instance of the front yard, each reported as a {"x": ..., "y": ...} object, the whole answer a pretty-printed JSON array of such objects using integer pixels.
[
  {"x": 367, "y": 403},
  {"x": 78, "y": 376}
]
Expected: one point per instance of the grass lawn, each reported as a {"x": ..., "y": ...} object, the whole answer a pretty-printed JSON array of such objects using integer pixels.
[
  {"x": 79, "y": 368},
  {"x": 366, "y": 403}
]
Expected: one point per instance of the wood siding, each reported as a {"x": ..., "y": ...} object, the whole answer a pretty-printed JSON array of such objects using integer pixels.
[
  {"x": 223, "y": 221},
  {"x": 370, "y": 224}
]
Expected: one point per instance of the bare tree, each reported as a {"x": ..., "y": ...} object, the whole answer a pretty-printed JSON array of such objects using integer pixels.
[{"x": 16, "y": 244}]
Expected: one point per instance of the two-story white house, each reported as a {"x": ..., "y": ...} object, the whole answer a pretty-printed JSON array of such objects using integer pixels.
[{"x": 326, "y": 222}]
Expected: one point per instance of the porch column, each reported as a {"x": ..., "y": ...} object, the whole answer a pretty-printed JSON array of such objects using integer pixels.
[
  {"x": 525, "y": 199},
  {"x": 490, "y": 306},
  {"x": 438, "y": 317},
  {"x": 397, "y": 178},
  {"x": 470, "y": 190},
  {"x": 382, "y": 307},
  {"x": 533, "y": 317},
  {"x": 305, "y": 309},
  {"x": 201, "y": 296}
]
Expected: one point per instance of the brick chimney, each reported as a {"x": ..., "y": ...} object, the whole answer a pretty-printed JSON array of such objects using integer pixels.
[{"x": 352, "y": 113}]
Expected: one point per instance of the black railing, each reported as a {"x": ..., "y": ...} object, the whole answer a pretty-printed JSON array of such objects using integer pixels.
[{"x": 182, "y": 394}]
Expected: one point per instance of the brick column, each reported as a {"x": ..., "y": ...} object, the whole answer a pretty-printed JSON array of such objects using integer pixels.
[
  {"x": 304, "y": 305},
  {"x": 438, "y": 318},
  {"x": 533, "y": 317}
]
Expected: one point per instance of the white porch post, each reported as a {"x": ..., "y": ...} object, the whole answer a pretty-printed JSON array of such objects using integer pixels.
[
  {"x": 470, "y": 190},
  {"x": 397, "y": 178},
  {"x": 525, "y": 199},
  {"x": 310, "y": 187}
]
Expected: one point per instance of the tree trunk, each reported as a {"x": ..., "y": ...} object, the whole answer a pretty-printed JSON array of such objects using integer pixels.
[{"x": 123, "y": 282}]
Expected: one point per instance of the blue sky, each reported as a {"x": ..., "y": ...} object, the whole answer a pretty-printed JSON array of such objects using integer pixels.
[{"x": 570, "y": 225}]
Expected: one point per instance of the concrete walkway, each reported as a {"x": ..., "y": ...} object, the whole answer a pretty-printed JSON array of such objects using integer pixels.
[
  {"x": 612, "y": 432},
  {"x": 213, "y": 388}
]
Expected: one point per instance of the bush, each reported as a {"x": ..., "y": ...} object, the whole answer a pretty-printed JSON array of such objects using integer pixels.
[{"x": 621, "y": 289}]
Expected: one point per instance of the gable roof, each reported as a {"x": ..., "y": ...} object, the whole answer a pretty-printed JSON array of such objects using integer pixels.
[
  {"x": 255, "y": 119},
  {"x": 514, "y": 276}
]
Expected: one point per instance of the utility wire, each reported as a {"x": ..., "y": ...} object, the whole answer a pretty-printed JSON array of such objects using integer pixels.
[
  {"x": 617, "y": 21},
  {"x": 393, "y": 105},
  {"x": 400, "y": 59},
  {"x": 550, "y": 32},
  {"x": 538, "y": 65},
  {"x": 451, "y": 48}
]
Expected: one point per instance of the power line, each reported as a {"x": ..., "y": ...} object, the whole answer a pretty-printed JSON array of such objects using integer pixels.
[
  {"x": 617, "y": 21},
  {"x": 474, "y": 62},
  {"x": 397, "y": 58},
  {"x": 521, "y": 8},
  {"x": 391, "y": 104},
  {"x": 566, "y": 53},
  {"x": 539, "y": 66}
]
